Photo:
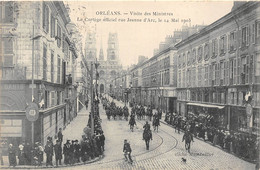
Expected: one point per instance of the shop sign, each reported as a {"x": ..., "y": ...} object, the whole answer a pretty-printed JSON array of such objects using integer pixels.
[{"x": 32, "y": 112}]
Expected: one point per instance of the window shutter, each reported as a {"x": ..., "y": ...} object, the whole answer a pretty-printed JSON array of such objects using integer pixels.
[
  {"x": 227, "y": 72},
  {"x": 253, "y": 34},
  {"x": 239, "y": 37},
  {"x": 239, "y": 70},
  {"x": 228, "y": 41},
  {"x": 217, "y": 46},
  {"x": 225, "y": 43},
  {"x": 235, "y": 39},
  {"x": 247, "y": 34}
]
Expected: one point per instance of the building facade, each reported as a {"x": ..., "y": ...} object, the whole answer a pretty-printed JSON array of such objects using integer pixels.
[
  {"x": 36, "y": 46},
  {"x": 218, "y": 70},
  {"x": 154, "y": 81},
  {"x": 109, "y": 68}
]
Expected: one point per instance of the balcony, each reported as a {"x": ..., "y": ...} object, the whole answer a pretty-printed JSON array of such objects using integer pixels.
[{"x": 13, "y": 73}]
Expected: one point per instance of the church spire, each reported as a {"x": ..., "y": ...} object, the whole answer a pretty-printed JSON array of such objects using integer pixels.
[{"x": 101, "y": 54}]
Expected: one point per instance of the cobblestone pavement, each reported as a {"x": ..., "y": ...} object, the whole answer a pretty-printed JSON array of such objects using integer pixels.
[{"x": 166, "y": 150}]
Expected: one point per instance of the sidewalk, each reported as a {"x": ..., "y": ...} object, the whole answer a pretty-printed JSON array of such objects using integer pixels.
[{"x": 73, "y": 131}]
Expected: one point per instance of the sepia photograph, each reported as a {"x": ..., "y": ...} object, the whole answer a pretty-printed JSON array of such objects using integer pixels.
[{"x": 142, "y": 85}]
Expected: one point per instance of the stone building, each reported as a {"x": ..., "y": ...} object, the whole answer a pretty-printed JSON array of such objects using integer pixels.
[
  {"x": 36, "y": 45},
  {"x": 108, "y": 68},
  {"x": 154, "y": 81},
  {"x": 219, "y": 69}
]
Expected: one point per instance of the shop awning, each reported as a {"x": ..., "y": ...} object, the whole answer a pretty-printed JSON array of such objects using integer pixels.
[{"x": 206, "y": 105}]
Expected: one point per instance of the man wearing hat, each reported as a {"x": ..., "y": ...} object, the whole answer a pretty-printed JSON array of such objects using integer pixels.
[
  {"x": 49, "y": 151},
  {"x": 67, "y": 152},
  {"x": 77, "y": 149},
  {"x": 58, "y": 152}
]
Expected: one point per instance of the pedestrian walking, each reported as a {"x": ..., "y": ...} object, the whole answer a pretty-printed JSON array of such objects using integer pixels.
[
  {"x": 11, "y": 155},
  {"x": 188, "y": 138},
  {"x": 58, "y": 152},
  {"x": 127, "y": 151}
]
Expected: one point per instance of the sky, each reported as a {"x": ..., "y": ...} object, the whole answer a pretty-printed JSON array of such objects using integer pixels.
[{"x": 141, "y": 37}]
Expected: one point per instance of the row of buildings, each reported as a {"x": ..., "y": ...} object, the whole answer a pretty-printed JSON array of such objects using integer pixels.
[
  {"x": 39, "y": 64},
  {"x": 204, "y": 70}
]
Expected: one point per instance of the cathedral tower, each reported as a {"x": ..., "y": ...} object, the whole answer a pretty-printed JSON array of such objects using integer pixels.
[
  {"x": 112, "y": 48},
  {"x": 90, "y": 47}
]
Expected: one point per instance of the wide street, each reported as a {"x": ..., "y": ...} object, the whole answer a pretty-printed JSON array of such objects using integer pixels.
[{"x": 166, "y": 148}]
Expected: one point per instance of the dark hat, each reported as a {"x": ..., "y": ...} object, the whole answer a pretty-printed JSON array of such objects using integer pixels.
[
  {"x": 76, "y": 140},
  {"x": 68, "y": 141},
  {"x": 57, "y": 141}
]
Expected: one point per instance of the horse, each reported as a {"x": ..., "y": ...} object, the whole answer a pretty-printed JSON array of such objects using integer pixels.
[
  {"x": 147, "y": 135},
  {"x": 188, "y": 138},
  {"x": 132, "y": 123},
  {"x": 156, "y": 123}
]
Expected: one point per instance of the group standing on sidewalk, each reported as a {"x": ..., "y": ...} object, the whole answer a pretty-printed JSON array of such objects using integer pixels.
[{"x": 242, "y": 145}]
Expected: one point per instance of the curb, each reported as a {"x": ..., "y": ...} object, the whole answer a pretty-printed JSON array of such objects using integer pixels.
[
  {"x": 44, "y": 167},
  {"x": 244, "y": 159}
]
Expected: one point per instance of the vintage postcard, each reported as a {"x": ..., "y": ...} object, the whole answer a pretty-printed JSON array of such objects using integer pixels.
[{"x": 130, "y": 85}]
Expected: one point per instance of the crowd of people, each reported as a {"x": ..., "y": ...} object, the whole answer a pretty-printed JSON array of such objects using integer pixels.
[
  {"x": 241, "y": 144},
  {"x": 117, "y": 112},
  {"x": 71, "y": 151}
]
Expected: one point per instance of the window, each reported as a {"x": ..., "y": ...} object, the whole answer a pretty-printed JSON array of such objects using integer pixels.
[
  {"x": 44, "y": 62},
  {"x": 194, "y": 55},
  {"x": 184, "y": 59},
  {"x": 232, "y": 39},
  {"x": 183, "y": 79},
  {"x": 257, "y": 69},
  {"x": 221, "y": 73},
  {"x": 179, "y": 60},
  {"x": 206, "y": 52},
  {"x": 7, "y": 46},
  {"x": 226, "y": 73},
  {"x": 58, "y": 36},
  {"x": 179, "y": 81},
  {"x": 232, "y": 71},
  {"x": 258, "y": 32},
  {"x": 45, "y": 17},
  {"x": 199, "y": 76},
  {"x": 200, "y": 54},
  {"x": 206, "y": 75},
  {"x": 113, "y": 45},
  {"x": 245, "y": 36},
  {"x": 58, "y": 69},
  {"x": 6, "y": 12},
  {"x": 214, "y": 48},
  {"x": 222, "y": 45},
  {"x": 245, "y": 70},
  {"x": 52, "y": 26},
  {"x": 188, "y": 58},
  {"x": 53, "y": 98},
  {"x": 52, "y": 67}
]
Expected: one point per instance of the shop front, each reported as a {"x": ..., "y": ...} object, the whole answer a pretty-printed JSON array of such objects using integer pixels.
[
  {"x": 212, "y": 115},
  {"x": 242, "y": 122}
]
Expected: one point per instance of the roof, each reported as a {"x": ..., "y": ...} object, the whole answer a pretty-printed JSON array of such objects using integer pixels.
[{"x": 218, "y": 23}]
